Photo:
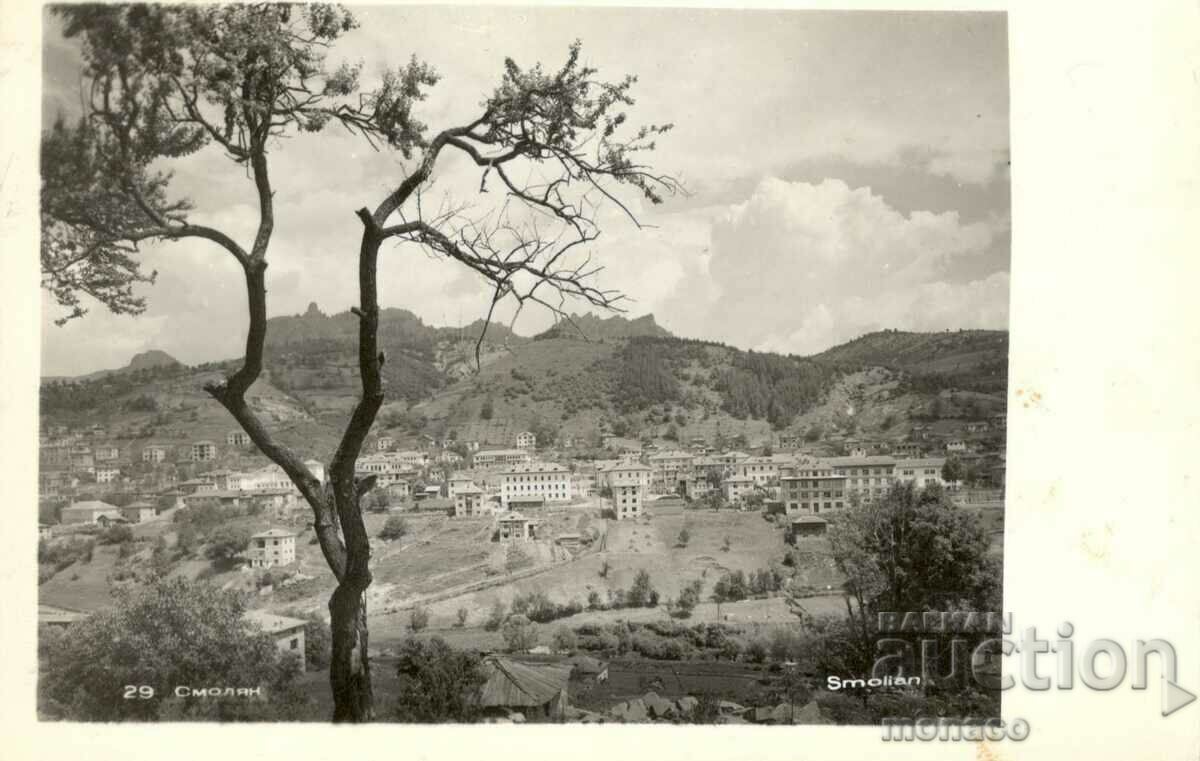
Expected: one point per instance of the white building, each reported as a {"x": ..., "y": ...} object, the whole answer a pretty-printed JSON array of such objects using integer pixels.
[
  {"x": 271, "y": 548},
  {"x": 384, "y": 443},
  {"x": 627, "y": 497},
  {"x": 107, "y": 475},
  {"x": 624, "y": 471},
  {"x": 468, "y": 502},
  {"x": 202, "y": 451},
  {"x": 237, "y": 438},
  {"x": 922, "y": 472},
  {"x": 526, "y": 440},
  {"x": 547, "y": 482},
  {"x": 490, "y": 458},
  {"x": 154, "y": 453}
]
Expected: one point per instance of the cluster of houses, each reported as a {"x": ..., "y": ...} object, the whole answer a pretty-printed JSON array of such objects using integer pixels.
[{"x": 521, "y": 479}]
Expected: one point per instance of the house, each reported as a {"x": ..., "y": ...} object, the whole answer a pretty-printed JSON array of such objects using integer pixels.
[
  {"x": 514, "y": 527},
  {"x": 908, "y": 449},
  {"x": 237, "y": 438},
  {"x": 288, "y": 633},
  {"x": 537, "y": 691},
  {"x": 668, "y": 469},
  {"x": 398, "y": 489},
  {"x": 384, "y": 443},
  {"x": 549, "y": 482},
  {"x": 526, "y": 440},
  {"x": 107, "y": 453},
  {"x": 411, "y": 459},
  {"x": 922, "y": 472},
  {"x": 271, "y": 548},
  {"x": 154, "y": 453},
  {"x": 89, "y": 511},
  {"x": 107, "y": 475},
  {"x": 868, "y": 477},
  {"x": 814, "y": 488},
  {"x": 977, "y": 426},
  {"x": 624, "y": 471},
  {"x": 956, "y": 445},
  {"x": 468, "y": 501},
  {"x": 203, "y": 451},
  {"x": 736, "y": 488},
  {"x": 45, "y": 531},
  {"x": 762, "y": 470},
  {"x": 137, "y": 512},
  {"x": 806, "y": 525},
  {"x": 627, "y": 497}
]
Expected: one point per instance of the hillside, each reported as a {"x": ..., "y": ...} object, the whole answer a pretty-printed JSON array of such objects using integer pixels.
[{"x": 626, "y": 377}]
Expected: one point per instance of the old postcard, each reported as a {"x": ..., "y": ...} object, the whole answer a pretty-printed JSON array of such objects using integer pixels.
[{"x": 575, "y": 365}]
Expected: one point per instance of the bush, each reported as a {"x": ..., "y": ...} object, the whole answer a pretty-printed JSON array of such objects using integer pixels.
[
  {"x": 418, "y": 619},
  {"x": 495, "y": 617},
  {"x": 594, "y": 602},
  {"x": 565, "y": 640},
  {"x": 461, "y": 618},
  {"x": 755, "y": 651},
  {"x": 520, "y": 634},
  {"x": 393, "y": 528},
  {"x": 227, "y": 542},
  {"x": 603, "y": 642},
  {"x": 116, "y": 534},
  {"x": 437, "y": 683}
]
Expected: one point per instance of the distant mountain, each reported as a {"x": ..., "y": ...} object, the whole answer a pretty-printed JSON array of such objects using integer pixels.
[
  {"x": 958, "y": 351},
  {"x": 593, "y": 328},
  {"x": 152, "y": 358}
]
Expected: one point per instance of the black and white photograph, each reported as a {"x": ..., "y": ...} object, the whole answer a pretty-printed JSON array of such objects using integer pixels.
[{"x": 521, "y": 365}]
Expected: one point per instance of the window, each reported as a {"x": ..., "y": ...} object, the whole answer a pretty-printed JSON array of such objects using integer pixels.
[{"x": 295, "y": 643}]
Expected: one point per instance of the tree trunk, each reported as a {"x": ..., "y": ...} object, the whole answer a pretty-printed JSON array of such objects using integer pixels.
[{"x": 350, "y": 668}]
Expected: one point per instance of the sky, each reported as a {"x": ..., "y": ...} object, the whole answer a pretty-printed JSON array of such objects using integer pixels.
[{"x": 845, "y": 172}]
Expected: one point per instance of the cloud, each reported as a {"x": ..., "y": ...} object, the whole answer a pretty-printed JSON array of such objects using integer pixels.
[{"x": 799, "y": 267}]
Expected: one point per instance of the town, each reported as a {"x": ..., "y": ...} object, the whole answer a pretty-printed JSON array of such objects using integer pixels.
[{"x": 535, "y": 516}]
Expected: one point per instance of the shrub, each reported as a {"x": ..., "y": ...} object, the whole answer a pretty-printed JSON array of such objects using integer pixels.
[
  {"x": 639, "y": 594},
  {"x": 495, "y": 617},
  {"x": 116, "y": 534},
  {"x": 393, "y": 528},
  {"x": 603, "y": 642},
  {"x": 565, "y": 640},
  {"x": 227, "y": 542},
  {"x": 755, "y": 651},
  {"x": 593, "y": 601},
  {"x": 520, "y": 634},
  {"x": 418, "y": 619},
  {"x": 461, "y": 617}
]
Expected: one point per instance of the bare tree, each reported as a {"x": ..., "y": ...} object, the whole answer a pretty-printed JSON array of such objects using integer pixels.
[{"x": 164, "y": 81}]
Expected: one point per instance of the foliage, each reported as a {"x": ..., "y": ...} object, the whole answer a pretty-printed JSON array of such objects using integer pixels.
[
  {"x": 520, "y": 634},
  {"x": 169, "y": 633},
  {"x": 227, "y": 542},
  {"x": 460, "y": 617},
  {"x": 496, "y": 617},
  {"x": 437, "y": 682},
  {"x": 418, "y": 619},
  {"x": 684, "y": 537},
  {"x": 642, "y": 593},
  {"x": 564, "y": 640},
  {"x": 118, "y": 533},
  {"x": 394, "y": 527}
]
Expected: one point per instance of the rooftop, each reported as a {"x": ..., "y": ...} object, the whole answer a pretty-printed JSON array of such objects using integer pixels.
[
  {"x": 275, "y": 532},
  {"x": 271, "y": 623}
]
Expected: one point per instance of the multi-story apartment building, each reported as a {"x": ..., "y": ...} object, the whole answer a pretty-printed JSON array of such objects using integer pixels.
[
  {"x": 922, "y": 472},
  {"x": 154, "y": 453},
  {"x": 202, "y": 451},
  {"x": 624, "y": 471},
  {"x": 384, "y": 443},
  {"x": 627, "y": 496},
  {"x": 270, "y": 548},
  {"x": 107, "y": 475},
  {"x": 668, "y": 470},
  {"x": 411, "y": 458},
  {"x": 735, "y": 488},
  {"x": 468, "y": 502},
  {"x": 107, "y": 453},
  {"x": 545, "y": 482},
  {"x": 867, "y": 477},
  {"x": 762, "y": 470},
  {"x": 237, "y": 438},
  {"x": 813, "y": 488},
  {"x": 526, "y": 440}
]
